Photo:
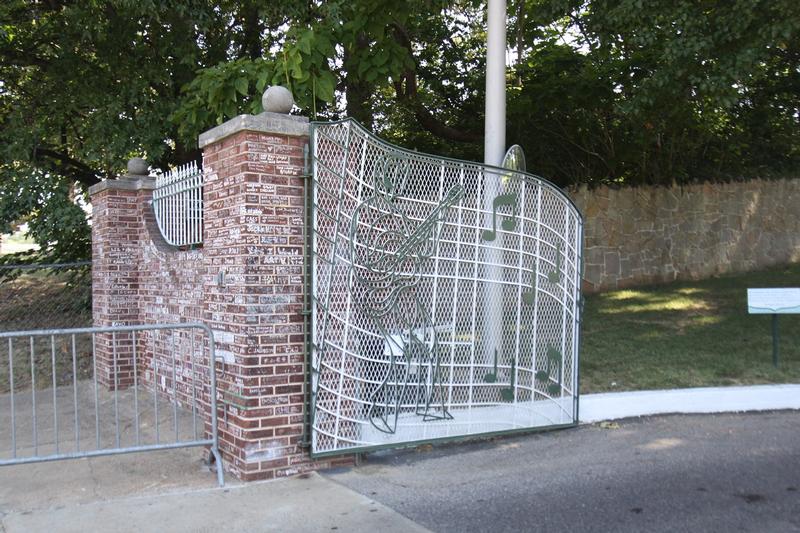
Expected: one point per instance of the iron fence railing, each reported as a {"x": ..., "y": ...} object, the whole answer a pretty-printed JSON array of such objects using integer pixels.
[
  {"x": 178, "y": 205},
  {"x": 36, "y": 296},
  {"x": 84, "y": 392}
]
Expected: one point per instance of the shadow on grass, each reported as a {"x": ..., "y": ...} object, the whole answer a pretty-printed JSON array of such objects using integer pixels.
[{"x": 687, "y": 334}]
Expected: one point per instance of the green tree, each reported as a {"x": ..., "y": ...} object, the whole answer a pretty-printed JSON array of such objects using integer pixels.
[
  {"x": 358, "y": 58},
  {"x": 602, "y": 91},
  {"x": 86, "y": 85},
  {"x": 662, "y": 91}
]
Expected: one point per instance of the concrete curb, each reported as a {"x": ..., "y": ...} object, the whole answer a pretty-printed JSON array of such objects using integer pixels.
[{"x": 615, "y": 405}]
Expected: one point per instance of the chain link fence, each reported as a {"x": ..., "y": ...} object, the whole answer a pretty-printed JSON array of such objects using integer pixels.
[{"x": 45, "y": 296}]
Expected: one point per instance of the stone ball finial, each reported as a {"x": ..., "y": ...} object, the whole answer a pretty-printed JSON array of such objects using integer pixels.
[
  {"x": 277, "y": 99},
  {"x": 137, "y": 167}
]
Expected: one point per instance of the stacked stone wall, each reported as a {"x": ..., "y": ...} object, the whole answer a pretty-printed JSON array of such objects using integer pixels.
[{"x": 643, "y": 235}]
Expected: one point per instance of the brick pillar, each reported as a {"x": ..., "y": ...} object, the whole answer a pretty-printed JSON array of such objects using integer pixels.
[
  {"x": 118, "y": 233},
  {"x": 254, "y": 245}
]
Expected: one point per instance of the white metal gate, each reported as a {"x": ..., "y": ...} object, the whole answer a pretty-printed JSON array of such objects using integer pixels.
[{"x": 445, "y": 296}]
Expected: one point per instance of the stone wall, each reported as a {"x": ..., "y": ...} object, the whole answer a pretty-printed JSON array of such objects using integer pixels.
[{"x": 642, "y": 235}]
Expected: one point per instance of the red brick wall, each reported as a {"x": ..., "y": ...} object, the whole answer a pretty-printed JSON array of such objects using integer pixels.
[
  {"x": 171, "y": 291},
  {"x": 254, "y": 234},
  {"x": 246, "y": 283},
  {"x": 139, "y": 279},
  {"x": 116, "y": 228}
]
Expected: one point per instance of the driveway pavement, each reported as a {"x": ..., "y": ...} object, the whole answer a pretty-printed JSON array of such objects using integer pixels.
[{"x": 730, "y": 472}]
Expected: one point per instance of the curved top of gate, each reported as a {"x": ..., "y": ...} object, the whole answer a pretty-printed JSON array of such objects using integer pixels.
[
  {"x": 350, "y": 122},
  {"x": 445, "y": 296}
]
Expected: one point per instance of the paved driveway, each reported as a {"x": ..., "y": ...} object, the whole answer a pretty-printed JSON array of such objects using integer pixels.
[{"x": 670, "y": 473}]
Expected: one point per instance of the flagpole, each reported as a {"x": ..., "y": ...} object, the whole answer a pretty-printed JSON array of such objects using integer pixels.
[
  {"x": 493, "y": 149},
  {"x": 494, "y": 144}
]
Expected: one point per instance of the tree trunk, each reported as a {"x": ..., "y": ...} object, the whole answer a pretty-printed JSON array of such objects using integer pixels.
[{"x": 358, "y": 91}]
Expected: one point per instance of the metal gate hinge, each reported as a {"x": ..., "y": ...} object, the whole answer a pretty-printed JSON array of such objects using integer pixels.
[{"x": 306, "y": 161}]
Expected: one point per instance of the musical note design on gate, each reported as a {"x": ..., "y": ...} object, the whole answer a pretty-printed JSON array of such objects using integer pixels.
[
  {"x": 554, "y": 360},
  {"x": 491, "y": 377},
  {"x": 507, "y": 394},
  {"x": 555, "y": 275},
  {"x": 508, "y": 223},
  {"x": 529, "y": 296}
]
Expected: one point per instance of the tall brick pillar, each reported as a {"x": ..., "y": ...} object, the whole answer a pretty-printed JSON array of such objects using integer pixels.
[
  {"x": 254, "y": 246},
  {"x": 118, "y": 236}
]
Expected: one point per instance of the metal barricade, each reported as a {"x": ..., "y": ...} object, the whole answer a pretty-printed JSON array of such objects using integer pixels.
[{"x": 87, "y": 392}]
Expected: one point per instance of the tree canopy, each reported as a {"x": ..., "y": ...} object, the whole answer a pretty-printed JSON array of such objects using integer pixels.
[{"x": 599, "y": 91}]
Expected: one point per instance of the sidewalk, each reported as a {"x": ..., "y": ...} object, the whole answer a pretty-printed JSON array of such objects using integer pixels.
[
  {"x": 701, "y": 400},
  {"x": 157, "y": 492}
]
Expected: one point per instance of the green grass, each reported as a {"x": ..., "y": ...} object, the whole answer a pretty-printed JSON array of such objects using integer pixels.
[{"x": 687, "y": 334}]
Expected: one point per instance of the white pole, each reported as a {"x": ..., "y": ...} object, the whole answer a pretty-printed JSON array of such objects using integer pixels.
[
  {"x": 494, "y": 144},
  {"x": 493, "y": 149}
]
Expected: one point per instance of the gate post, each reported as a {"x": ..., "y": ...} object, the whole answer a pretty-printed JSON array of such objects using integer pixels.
[
  {"x": 118, "y": 233},
  {"x": 254, "y": 287}
]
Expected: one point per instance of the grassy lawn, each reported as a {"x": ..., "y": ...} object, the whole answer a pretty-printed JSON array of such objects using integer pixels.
[
  {"x": 687, "y": 334},
  {"x": 16, "y": 242}
]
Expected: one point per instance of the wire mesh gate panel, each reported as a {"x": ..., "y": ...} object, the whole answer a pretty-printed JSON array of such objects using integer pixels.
[{"x": 445, "y": 296}]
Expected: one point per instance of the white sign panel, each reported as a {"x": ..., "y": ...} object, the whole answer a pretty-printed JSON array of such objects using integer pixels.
[{"x": 773, "y": 301}]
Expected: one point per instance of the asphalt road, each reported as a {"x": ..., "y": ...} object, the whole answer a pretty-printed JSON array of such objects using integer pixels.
[{"x": 732, "y": 472}]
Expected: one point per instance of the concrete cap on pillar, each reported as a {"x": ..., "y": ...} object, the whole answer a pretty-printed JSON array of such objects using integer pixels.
[
  {"x": 136, "y": 178},
  {"x": 277, "y": 102},
  {"x": 137, "y": 167},
  {"x": 277, "y": 99}
]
